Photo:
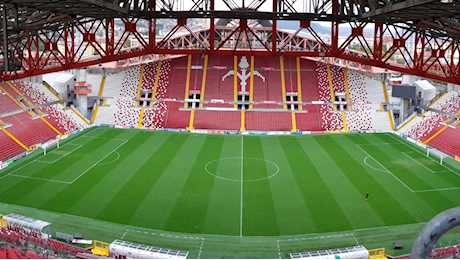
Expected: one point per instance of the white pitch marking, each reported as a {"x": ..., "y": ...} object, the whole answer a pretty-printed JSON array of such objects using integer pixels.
[
  {"x": 442, "y": 189},
  {"x": 153, "y": 233},
  {"x": 397, "y": 139},
  {"x": 104, "y": 138},
  {"x": 10, "y": 173},
  {"x": 357, "y": 242},
  {"x": 79, "y": 146},
  {"x": 118, "y": 157},
  {"x": 365, "y": 162},
  {"x": 201, "y": 248},
  {"x": 124, "y": 233},
  {"x": 418, "y": 162},
  {"x": 407, "y": 154},
  {"x": 379, "y": 144},
  {"x": 385, "y": 169},
  {"x": 98, "y": 161},
  {"x": 415, "y": 150},
  {"x": 239, "y": 180},
  {"x": 279, "y": 250},
  {"x": 241, "y": 201},
  {"x": 35, "y": 178}
]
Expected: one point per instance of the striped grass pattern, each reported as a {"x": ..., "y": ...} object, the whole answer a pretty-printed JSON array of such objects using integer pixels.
[{"x": 234, "y": 185}]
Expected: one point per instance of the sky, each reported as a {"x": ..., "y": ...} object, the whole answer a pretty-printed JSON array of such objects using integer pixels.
[{"x": 299, "y": 5}]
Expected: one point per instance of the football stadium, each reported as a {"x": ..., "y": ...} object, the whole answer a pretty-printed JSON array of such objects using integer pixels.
[{"x": 220, "y": 129}]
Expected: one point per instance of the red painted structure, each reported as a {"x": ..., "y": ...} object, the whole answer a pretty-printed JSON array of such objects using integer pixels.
[
  {"x": 244, "y": 39},
  {"x": 82, "y": 88}
]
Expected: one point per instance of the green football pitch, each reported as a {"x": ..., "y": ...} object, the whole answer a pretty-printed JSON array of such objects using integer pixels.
[{"x": 230, "y": 196}]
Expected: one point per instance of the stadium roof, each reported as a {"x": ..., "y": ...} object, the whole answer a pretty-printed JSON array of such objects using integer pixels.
[{"x": 439, "y": 17}]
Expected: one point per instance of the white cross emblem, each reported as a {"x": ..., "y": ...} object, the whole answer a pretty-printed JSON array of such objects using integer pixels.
[{"x": 244, "y": 74}]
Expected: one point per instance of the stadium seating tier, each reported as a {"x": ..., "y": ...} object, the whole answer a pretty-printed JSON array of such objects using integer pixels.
[
  {"x": 35, "y": 126},
  {"x": 219, "y": 86}
]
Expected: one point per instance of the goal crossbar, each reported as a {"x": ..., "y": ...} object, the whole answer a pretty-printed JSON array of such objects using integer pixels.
[
  {"x": 436, "y": 153},
  {"x": 50, "y": 144}
]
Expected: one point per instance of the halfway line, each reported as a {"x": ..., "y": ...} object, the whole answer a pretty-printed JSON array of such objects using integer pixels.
[{"x": 241, "y": 202}]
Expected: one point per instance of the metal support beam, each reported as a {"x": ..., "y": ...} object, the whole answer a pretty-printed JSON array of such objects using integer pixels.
[
  {"x": 6, "y": 60},
  {"x": 57, "y": 50},
  {"x": 105, "y": 5},
  {"x": 395, "y": 7}
]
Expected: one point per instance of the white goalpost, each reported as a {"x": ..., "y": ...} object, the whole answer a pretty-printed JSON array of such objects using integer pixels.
[
  {"x": 50, "y": 144},
  {"x": 436, "y": 153}
]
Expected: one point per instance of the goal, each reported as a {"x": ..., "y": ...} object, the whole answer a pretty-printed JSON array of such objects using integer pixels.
[
  {"x": 435, "y": 154},
  {"x": 50, "y": 144}
]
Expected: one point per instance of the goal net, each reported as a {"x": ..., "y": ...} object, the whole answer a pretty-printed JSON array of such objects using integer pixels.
[
  {"x": 435, "y": 154},
  {"x": 49, "y": 145}
]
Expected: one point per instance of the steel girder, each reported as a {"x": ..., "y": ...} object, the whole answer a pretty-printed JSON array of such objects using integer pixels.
[
  {"x": 49, "y": 35},
  {"x": 435, "y": 17},
  {"x": 422, "y": 55}
]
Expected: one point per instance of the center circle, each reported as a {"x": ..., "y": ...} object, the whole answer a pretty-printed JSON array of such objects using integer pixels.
[{"x": 242, "y": 169}]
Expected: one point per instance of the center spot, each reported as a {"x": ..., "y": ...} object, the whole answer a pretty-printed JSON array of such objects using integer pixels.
[{"x": 242, "y": 169}]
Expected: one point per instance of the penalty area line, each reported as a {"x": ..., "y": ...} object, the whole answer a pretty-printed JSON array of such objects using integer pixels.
[
  {"x": 415, "y": 160},
  {"x": 417, "y": 151},
  {"x": 36, "y": 159},
  {"x": 36, "y": 178},
  {"x": 78, "y": 177},
  {"x": 404, "y": 184},
  {"x": 68, "y": 152}
]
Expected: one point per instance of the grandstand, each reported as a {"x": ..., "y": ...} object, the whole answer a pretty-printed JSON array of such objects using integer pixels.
[
  {"x": 31, "y": 115},
  {"x": 219, "y": 95},
  {"x": 437, "y": 126},
  {"x": 226, "y": 134},
  {"x": 203, "y": 95}
]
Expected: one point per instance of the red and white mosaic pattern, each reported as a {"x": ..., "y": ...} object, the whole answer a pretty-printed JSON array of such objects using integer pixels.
[
  {"x": 39, "y": 94},
  {"x": 125, "y": 113},
  {"x": 425, "y": 127},
  {"x": 431, "y": 122},
  {"x": 63, "y": 119},
  {"x": 329, "y": 120},
  {"x": 450, "y": 104},
  {"x": 360, "y": 118},
  {"x": 155, "y": 118},
  {"x": 338, "y": 79},
  {"x": 36, "y": 93}
]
